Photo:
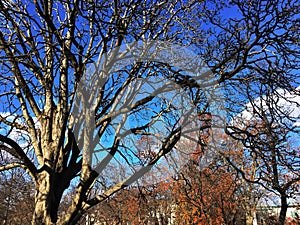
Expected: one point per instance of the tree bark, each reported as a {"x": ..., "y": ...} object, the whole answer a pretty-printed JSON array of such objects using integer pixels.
[
  {"x": 45, "y": 212},
  {"x": 249, "y": 219},
  {"x": 283, "y": 209}
]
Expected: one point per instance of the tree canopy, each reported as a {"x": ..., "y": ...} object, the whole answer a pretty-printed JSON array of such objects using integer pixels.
[{"x": 90, "y": 85}]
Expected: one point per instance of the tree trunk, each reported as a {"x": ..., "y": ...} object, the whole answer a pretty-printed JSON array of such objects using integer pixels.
[
  {"x": 283, "y": 209},
  {"x": 250, "y": 213},
  {"x": 249, "y": 219},
  {"x": 45, "y": 212}
]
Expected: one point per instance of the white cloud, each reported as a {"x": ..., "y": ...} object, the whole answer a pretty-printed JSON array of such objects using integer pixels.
[
  {"x": 286, "y": 104},
  {"x": 20, "y": 136}
]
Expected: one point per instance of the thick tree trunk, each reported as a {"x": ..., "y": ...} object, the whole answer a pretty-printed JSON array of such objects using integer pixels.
[
  {"x": 47, "y": 201},
  {"x": 283, "y": 209},
  {"x": 45, "y": 212}
]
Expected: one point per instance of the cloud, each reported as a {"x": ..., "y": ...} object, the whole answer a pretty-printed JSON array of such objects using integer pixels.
[
  {"x": 286, "y": 104},
  {"x": 19, "y": 136}
]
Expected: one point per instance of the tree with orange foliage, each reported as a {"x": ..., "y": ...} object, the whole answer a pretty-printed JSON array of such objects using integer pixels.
[
  {"x": 206, "y": 196},
  {"x": 16, "y": 200}
]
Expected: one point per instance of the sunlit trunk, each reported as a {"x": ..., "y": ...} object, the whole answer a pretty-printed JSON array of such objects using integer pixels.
[
  {"x": 44, "y": 212},
  {"x": 249, "y": 219},
  {"x": 250, "y": 213}
]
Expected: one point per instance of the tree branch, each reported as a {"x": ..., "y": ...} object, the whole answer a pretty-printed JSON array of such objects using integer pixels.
[{"x": 17, "y": 151}]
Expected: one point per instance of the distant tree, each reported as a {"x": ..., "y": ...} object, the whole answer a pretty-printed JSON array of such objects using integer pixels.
[
  {"x": 17, "y": 198},
  {"x": 209, "y": 193}
]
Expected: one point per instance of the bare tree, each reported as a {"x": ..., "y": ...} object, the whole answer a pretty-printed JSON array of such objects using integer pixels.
[
  {"x": 262, "y": 45},
  {"x": 47, "y": 47},
  {"x": 17, "y": 197},
  {"x": 269, "y": 136}
]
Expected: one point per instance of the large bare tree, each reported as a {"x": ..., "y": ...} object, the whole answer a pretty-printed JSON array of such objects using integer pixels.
[{"x": 48, "y": 48}]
